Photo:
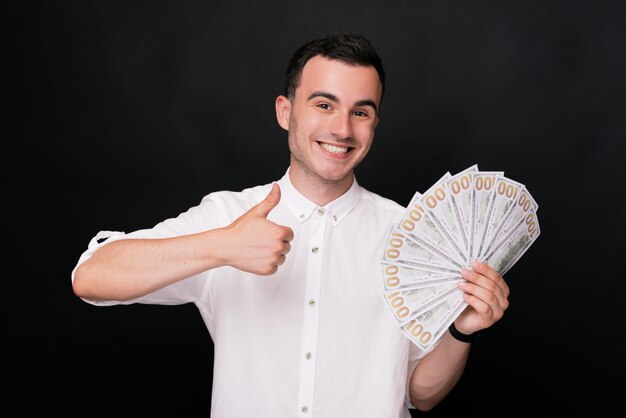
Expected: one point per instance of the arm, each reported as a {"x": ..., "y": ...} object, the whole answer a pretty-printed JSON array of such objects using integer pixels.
[
  {"x": 130, "y": 268},
  {"x": 438, "y": 372}
]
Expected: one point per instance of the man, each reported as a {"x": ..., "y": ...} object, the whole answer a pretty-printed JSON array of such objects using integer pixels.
[{"x": 314, "y": 337}]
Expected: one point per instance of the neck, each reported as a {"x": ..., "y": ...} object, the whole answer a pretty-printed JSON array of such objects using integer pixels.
[{"x": 319, "y": 191}]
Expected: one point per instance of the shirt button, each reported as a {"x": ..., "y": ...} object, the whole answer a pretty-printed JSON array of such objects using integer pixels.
[
  {"x": 304, "y": 409},
  {"x": 312, "y": 302},
  {"x": 335, "y": 218},
  {"x": 321, "y": 211},
  {"x": 315, "y": 250},
  {"x": 308, "y": 356}
]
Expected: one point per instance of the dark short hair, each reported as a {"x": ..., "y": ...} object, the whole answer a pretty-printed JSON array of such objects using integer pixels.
[{"x": 351, "y": 48}]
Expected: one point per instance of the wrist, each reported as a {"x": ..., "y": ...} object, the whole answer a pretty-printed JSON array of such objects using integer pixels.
[
  {"x": 459, "y": 336},
  {"x": 214, "y": 248}
]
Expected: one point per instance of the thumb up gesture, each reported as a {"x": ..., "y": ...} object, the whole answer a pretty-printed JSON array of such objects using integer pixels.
[{"x": 255, "y": 244}]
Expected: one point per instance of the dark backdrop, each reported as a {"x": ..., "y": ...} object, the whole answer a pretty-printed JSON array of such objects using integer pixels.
[{"x": 122, "y": 114}]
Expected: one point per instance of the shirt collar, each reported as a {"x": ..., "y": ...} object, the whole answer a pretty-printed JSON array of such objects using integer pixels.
[{"x": 302, "y": 208}]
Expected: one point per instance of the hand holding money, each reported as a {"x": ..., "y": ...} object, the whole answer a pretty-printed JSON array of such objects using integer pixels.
[
  {"x": 451, "y": 249},
  {"x": 487, "y": 294}
]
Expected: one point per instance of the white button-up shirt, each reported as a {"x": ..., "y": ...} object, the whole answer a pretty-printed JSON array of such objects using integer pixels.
[{"x": 313, "y": 340}]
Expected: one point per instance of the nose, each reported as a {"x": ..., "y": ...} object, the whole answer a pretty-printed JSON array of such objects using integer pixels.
[{"x": 341, "y": 126}]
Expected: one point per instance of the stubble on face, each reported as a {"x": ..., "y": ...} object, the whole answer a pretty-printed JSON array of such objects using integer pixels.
[
  {"x": 331, "y": 121},
  {"x": 298, "y": 156}
]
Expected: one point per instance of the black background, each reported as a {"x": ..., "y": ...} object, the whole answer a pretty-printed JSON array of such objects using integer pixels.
[{"x": 125, "y": 113}]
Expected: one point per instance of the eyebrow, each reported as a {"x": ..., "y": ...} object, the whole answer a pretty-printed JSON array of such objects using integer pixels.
[{"x": 334, "y": 98}]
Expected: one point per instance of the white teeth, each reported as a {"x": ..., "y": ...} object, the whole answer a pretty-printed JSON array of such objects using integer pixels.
[{"x": 334, "y": 149}]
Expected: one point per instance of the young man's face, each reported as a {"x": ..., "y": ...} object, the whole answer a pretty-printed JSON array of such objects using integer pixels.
[{"x": 331, "y": 119}]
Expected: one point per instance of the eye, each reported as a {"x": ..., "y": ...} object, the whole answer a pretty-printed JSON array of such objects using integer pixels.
[
  {"x": 360, "y": 113},
  {"x": 324, "y": 106}
]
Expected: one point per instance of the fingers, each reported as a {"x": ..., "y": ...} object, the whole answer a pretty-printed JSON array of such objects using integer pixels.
[
  {"x": 273, "y": 262},
  {"x": 486, "y": 293},
  {"x": 488, "y": 276},
  {"x": 288, "y": 235},
  {"x": 266, "y": 205},
  {"x": 285, "y": 248},
  {"x": 486, "y": 288},
  {"x": 276, "y": 251},
  {"x": 260, "y": 245},
  {"x": 284, "y": 234}
]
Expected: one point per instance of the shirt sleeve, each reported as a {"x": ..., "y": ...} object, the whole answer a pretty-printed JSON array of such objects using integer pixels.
[
  {"x": 209, "y": 214},
  {"x": 415, "y": 356}
]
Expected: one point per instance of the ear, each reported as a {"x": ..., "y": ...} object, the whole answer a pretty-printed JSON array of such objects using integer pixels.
[{"x": 283, "y": 110}]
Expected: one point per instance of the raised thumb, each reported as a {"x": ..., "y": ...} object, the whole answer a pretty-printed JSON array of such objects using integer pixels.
[{"x": 270, "y": 202}]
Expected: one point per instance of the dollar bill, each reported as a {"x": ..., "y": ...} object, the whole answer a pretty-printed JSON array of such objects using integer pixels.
[
  {"x": 469, "y": 216},
  {"x": 399, "y": 277},
  {"x": 513, "y": 245},
  {"x": 418, "y": 226},
  {"x": 427, "y": 328},
  {"x": 483, "y": 189},
  {"x": 438, "y": 203},
  {"x": 523, "y": 205},
  {"x": 402, "y": 251},
  {"x": 409, "y": 303},
  {"x": 460, "y": 190},
  {"x": 503, "y": 201}
]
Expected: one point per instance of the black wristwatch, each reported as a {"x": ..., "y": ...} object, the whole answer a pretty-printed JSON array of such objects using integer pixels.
[{"x": 466, "y": 338}]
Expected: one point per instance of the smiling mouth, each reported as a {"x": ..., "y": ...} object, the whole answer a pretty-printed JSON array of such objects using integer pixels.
[{"x": 334, "y": 149}]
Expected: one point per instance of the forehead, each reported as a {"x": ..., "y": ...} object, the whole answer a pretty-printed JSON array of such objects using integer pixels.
[{"x": 348, "y": 82}]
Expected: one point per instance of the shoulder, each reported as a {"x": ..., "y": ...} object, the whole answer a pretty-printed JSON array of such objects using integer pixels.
[
  {"x": 222, "y": 207},
  {"x": 380, "y": 204},
  {"x": 244, "y": 198}
]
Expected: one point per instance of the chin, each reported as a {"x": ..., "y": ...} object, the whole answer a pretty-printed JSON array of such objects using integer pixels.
[{"x": 336, "y": 177}]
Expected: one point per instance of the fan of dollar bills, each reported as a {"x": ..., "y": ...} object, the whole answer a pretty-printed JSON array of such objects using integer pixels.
[{"x": 472, "y": 215}]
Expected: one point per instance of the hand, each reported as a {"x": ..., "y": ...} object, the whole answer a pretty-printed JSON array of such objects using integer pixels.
[
  {"x": 487, "y": 294},
  {"x": 253, "y": 243}
]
